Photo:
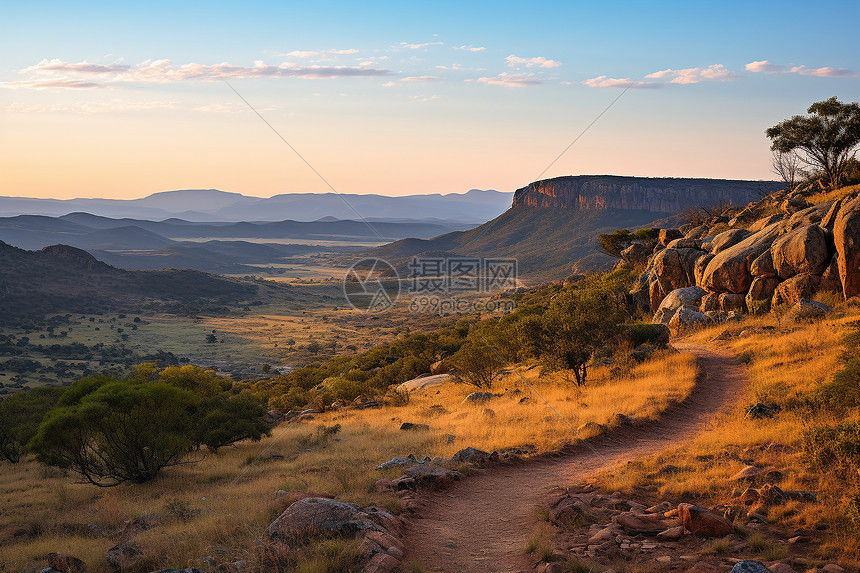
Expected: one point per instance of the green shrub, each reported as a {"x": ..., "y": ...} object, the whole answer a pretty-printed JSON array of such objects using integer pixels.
[
  {"x": 843, "y": 391},
  {"x": 834, "y": 448}
]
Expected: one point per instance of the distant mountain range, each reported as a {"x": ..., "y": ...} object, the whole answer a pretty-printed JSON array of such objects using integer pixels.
[{"x": 208, "y": 205}]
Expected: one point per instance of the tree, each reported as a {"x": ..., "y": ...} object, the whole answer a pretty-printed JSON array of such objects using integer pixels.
[
  {"x": 120, "y": 431},
  {"x": 231, "y": 419},
  {"x": 828, "y": 137},
  {"x": 20, "y": 415},
  {"x": 788, "y": 167},
  {"x": 477, "y": 362}
]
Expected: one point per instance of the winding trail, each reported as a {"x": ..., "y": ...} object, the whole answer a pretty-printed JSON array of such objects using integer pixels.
[{"x": 482, "y": 523}]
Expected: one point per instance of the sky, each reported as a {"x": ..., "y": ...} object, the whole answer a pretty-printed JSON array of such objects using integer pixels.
[{"x": 122, "y": 100}]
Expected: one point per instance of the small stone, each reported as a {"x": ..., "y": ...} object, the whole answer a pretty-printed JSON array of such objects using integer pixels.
[
  {"x": 781, "y": 567},
  {"x": 749, "y": 567},
  {"x": 672, "y": 534},
  {"x": 382, "y": 563},
  {"x": 702, "y": 522},
  {"x": 799, "y": 539},
  {"x": 832, "y": 568},
  {"x": 554, "y": 567},
  {"x": 663, "y": 559}
]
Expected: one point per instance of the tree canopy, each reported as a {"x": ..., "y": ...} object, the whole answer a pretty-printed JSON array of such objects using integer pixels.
[{"x": 828, "y": 137}]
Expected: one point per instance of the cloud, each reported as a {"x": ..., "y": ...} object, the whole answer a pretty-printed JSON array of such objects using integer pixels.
[
  {"x": 766, "y": 67},
  {"x": 418, "y": 46},
  {"x": 419, "y": 79},
  {"x": 389, "y": 85},
  {"x": 511, "y": 80},
  {"x": 70, "y": 74},
  {"x": 53, "y": 84},
  {"x": 695, "y": 75},
  {"x": 540, "y": 62},
  {"x": 89, "y": 108},
  {"x": 607, "y": 82},
  {"x": 470, "y": 48},
  {"x": 321, "y": 53}
]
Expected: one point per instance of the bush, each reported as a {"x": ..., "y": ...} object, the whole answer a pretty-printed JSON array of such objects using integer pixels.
[
  {"x": 843, "y": 391},
  {"x": 834, "y": 448},
  {"x": 622, "y": 238}
]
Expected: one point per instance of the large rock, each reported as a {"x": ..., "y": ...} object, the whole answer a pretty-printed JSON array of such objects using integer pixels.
[
  {"x": 765, "y": 222},
  {"x": 796, "y": 288},
  {"x": 749, "y": 567},
  {"x": 474, "y": 456},
  {"x": 846, "y": 235},
  {"x": 123, "y": 556},
  {"x": 829, "y": 220},
  {"x": 65, "y": 563},
  {"x": 317, "y": 516},
  {"x": 763, "y": 265},
  {"x": 667, "y": 235},
  {"x": 802, "y": 250},
  {"x": 689, "y": 296},
  {"x": 729, "y": 270},
  {"x": 640, "y": 524},
  {"x": 807, "y": 310},
  {"x": 685, "y": 243},
  {"x": 687, "y": 318},
  {"x": 701, "y": 265},
  {"x": 760, "y": 294},
  {"x": 637, "y": 254},
  {"x": 728, "y": 239},
  {"x": 703, "y": 522},
  {"x": 675, "y": 268},
  {"x": 810, "y": 215},
  {"x": 730, "y": 302},
  {"x": 830, "y": 281},
  {"x": 425, "y": 382},
  {"x": 710, "y": 301}
]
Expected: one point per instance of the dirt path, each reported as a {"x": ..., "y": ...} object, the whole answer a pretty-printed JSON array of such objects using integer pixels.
[{"x": 482, "y": 524}]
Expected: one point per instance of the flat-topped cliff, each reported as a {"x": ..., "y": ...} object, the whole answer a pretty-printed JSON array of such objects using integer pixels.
[{"x": 656, "y": 194}]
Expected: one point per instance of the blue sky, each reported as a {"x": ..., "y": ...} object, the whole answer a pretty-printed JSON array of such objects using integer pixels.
[{"x": 105, "y": 99}]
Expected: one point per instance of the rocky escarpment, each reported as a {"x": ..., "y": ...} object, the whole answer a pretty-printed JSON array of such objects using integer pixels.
[
  {"x": 659, "y": 195},
  {"x": 777, "y": 252}
]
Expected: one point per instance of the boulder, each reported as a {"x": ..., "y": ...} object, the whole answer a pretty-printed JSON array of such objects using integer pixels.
[
  {"x": 656, "y": 294},
  {"x": 474, "y": 456},
  {"x": 710, "y": 302},
  {"x": 749, "y": 567},
  {"x": 810, "y": 215},
  {"x": 479, "y": 397},
  {"x": 667, "y": 235},
  {"x": 424, "y": 382},
  {"x": 687, "y": 318},
  {"x": 803, "y": 250},
  {"x": 675, "y": 268},
  {"x": 763, "y": 265},
  {"x": 570, "y": 512},
  {"x": 760, "y": 294},
  {"x": 846, "y": 235},
  {"x": 729, "y": 270},
  {"x": 274, "y": 417},
  {"x": 671, "y": 534},
  {"x": 728, "y": 239},
  {"x": 689, "y": 296},
  {"x": 637, "y": 254},
  {"x": 382, "y": 563},
  {"x": 793, "y": 205},
  {"x": 317, "y": 516},
  {"x": 123, "y": 556},
  {"x": 760, "y": 224},
  {"x": 700, "y": 266},
  {"x": 730, "y": 301},
  {"x": 429, "y": 474},
  {"x": 807, "y": 310},
  {"x": 640, "y": 524},
  {"x": 747, "y": 472},
  {"x": 412, "y": 427},
  {"x": 829, "y": 220},
  {"x": 697, "y": 232},
  {"x": 796, "y": 288},
  {"x": 703, "y": 522},
  {"x": 65, "y": 563},
  {"x": 830, "y": 277},
  {"x": 685, "y": 243}
]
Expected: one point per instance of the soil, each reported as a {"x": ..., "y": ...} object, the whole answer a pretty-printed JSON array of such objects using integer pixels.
[{"x": 483, "y": 523}]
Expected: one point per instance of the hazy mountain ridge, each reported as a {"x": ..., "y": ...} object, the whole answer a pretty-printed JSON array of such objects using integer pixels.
[{"x": 208, "y": 205}]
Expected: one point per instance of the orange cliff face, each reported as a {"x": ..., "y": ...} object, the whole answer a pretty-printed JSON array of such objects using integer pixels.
[{"x": 659, "y": 195}]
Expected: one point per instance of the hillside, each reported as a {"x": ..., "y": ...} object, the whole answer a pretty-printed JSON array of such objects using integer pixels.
[
  {"x": 60, "y": 278},
  {"x": 553, "y": 224}
]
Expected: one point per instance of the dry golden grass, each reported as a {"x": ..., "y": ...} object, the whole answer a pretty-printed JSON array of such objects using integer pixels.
[
  {"x": 834, "y": 195},
  {"x": 786, "y": 362},
  {"x": 221, "y": 505}
]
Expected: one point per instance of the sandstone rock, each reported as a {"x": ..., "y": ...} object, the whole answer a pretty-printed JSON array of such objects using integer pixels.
[
  {"x": 697, "y": 232},
  {"x": 382, "y": 563},
  {"x": 656, "y": 294},
  {"x": 637, "y": 254},
  {"x": 727, "y": 239},
  {"x": 763, "y": 265},
  {"x": 795, "y": 289},
  {"x": 829, "y": 220},
  {"x": 123, "y": 556},
  {"x": 667, "y": 235},
  {"x": 472, "y": 455},
  {"x": 781, "y": 567},
  {"x": 671, "y": 534},
  {"x": 760, "y": 294},
  {"x": 729, "y": 302},
  {"x": 729, "y": 270},
  {"x": 749, "y": 567},
  {"x": 702, "y": 522},
  {"x": 606, "y": 534},
  {"x": 411, "y": 427},
  {"x": 807, "y": 310},
  {"x": 846, "y": 235},
  {"x": 640, "y": 524},
  {"x": 830, "y": 281},
  {"x": 555, "y": 567},
  {"x": 760, "y": 224},
  {"x": 477, "y": 397},
  {"x": 427, "y": 475},
  {"x": 832, "y": 568},
  {"x": 809, "y": 215},
  {"x": 424, "y": 382},
  {"x": 274, "y": 417},
  {"x": 316, "y": 516},
  {"x": 570, "y": 512},
  {"x": 689, "y": 296},
  {"x": 793, "y": 205},
  {"x": 685, "y": 243},
  {"x": 676, "y": 268},
  {"x": 802, "y": 250},
  {"x": 687, "y": 318},
  {"x": 65, "y": 563},
  {"x": 701, "y": 265},
  {"x": 710, "y": 301},
  {"x": 747, "y": 472}
]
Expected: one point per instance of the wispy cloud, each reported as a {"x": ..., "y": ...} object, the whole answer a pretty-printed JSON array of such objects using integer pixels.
[
  {"x": 539, "y": 62},
  {"x": 607, "y": 82},
  {"x": 695, "y": 75},
  {"x": 766, "y": 67},
  {"x": 86, "y": 75},
  {"x": 318, "y": 54},
  {"x": 89, "y": 108},
  {"x": 408, "y": 46},
  {"x": 470, "y": 48},
  {"x": 511, "y": 80},
  {"x": 419, "y": 79}
]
